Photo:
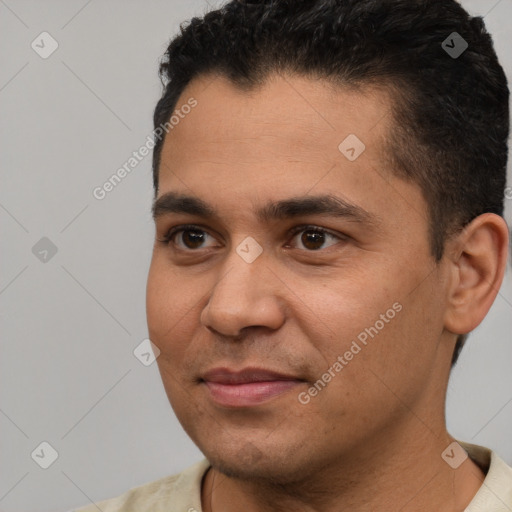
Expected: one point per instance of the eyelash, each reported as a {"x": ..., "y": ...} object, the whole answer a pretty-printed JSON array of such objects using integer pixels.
[{"x": 169, "y": 236}]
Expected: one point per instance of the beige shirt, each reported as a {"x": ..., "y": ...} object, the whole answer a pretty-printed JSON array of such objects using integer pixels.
[{"x": 182, "y": 492}]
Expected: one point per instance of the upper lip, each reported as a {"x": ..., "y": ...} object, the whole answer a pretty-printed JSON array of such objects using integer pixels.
[{"x": 227, "y": 376}]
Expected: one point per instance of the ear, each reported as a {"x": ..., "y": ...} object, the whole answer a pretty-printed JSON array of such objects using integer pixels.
[{"x": 477, "y": 259}]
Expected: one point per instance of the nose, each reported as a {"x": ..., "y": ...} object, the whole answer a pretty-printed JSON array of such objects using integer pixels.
[{"x": 246, "y": 295}]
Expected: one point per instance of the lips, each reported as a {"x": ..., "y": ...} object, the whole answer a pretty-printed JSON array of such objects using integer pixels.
[
  {"x": 227, "y": 376},
  {"x": 247, "y": 387}
]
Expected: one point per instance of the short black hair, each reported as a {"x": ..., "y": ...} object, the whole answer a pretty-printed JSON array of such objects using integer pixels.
[{"x": 450, "y": 112}]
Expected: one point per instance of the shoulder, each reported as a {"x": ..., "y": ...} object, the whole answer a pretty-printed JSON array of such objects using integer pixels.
[
  {"x": 181, "y": 492},
  {"x": 495, "y": 494}
]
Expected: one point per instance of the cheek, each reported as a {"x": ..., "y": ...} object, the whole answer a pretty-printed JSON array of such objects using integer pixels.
[
  {"x": 172, "y": 306},
  {"x": 370, "y": 320},
  {"x": 342, "y": 310},
  {"x": 398, "y": 357}
]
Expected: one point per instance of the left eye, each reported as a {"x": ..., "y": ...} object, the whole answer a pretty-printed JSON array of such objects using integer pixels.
[{"x": 315, "y": 238}]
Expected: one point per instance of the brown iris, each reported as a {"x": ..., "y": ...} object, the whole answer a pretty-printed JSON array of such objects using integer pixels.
[
  {"x": 192, "y": 239},
  {"x": 312, "y": 240}
]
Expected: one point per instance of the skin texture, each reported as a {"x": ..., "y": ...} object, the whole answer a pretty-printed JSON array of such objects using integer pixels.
[{"x": 372, "y": 438}]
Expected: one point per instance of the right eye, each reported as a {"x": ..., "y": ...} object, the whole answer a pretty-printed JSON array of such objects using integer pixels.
[{"x": 187, "y": 238}]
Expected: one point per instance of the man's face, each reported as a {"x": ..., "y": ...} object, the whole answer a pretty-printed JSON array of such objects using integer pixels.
[{"x": 365, "y": 294}]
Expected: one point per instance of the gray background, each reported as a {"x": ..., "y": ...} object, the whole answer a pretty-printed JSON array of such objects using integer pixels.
[{"x": 70, "y": 324}]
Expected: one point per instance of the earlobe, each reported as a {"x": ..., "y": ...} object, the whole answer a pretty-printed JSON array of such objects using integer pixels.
[{"x": 478, "y": 259}]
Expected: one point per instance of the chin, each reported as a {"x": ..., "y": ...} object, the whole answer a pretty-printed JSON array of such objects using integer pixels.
[{"x": 252, "y": 464}]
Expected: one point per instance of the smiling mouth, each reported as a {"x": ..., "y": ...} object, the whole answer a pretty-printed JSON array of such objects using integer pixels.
[
  {"x": 247, "y": 387},
  {"x": 249, "y": 393}
]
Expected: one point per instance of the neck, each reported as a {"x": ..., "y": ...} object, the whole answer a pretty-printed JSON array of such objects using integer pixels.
[{"x": 396, "y": 472}]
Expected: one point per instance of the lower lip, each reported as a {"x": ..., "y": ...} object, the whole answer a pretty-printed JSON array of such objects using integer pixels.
[{"x": 249, "y": 394}]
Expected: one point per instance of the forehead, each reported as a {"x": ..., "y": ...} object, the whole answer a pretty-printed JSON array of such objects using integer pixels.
[
  {"x": 292, "y": 118},
  {"x": 287, "y": 138}
]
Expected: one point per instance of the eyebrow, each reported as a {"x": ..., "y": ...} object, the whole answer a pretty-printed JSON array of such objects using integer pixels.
[{"x": 173, "y": 202}]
